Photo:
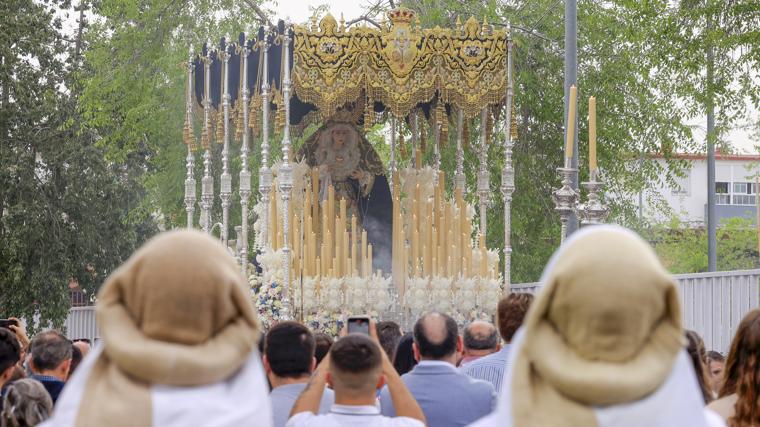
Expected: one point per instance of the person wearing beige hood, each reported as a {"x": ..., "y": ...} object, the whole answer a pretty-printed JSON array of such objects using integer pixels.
[
  {"x": 602, "y": 345},
  {"x": 178, "y": 345}
]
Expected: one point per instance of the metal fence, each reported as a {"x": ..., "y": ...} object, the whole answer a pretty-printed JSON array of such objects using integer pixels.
[{"x": 713, "y": 304}]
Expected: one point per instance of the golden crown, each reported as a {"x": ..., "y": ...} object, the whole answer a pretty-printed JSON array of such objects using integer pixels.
[{"x": 401, "y": 15}]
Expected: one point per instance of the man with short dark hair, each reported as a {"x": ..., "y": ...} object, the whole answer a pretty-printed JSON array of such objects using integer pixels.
[
  {"x": 715, "y": 367},
  {"x": 510, "y": 314},
  {"x": 10, "y": 352},
  {"x": 323, "y": 342},
  {"x": 447, "y": 397},
  {"x": 355, "y": 368},
  {"x": 389, "y": 334},
  {"x": 51, "y": 360},
  {"x": 480, "y": 339},
  {"x": 289, "y": 361}
]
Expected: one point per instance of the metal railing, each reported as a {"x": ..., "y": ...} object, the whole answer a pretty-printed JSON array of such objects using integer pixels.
[{"x": 712, "y": 304}]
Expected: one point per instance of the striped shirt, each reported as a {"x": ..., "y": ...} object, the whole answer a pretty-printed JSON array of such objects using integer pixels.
[{"x": 490, "y": 368}]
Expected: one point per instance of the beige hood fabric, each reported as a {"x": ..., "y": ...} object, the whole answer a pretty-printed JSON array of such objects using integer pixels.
[
  {"x": 605, "y": 329},
  {"x": 176, "y": 314}
]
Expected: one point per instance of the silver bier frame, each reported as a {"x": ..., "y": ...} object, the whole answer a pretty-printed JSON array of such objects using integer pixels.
[
  {"x": 245, "y": 173},
  {"x": 508, "y": 173},
  {"x": 285, "y": 176},
  {"x": 190, "y": 182},
  {"x": 207, "y": 182}
]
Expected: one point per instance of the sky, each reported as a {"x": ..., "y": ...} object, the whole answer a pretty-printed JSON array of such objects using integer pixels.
[{"x": 299, "y": 11}]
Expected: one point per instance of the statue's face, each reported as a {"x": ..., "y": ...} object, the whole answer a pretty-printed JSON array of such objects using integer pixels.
[{"x": 339, "y": 137}]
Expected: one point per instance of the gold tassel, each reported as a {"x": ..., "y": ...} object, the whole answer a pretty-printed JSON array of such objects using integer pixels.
[
  {"x": 489, "y": 128},
  {"x": 369, "y": 115},
  {"x": 423, "y": 130},
  {"x": 220, "y": 127},
  {"x": 239, "y": 120},
  {"x": 254, "y": 114},
  {"x": 189, "y": 137},
  {"x": 279, "y": 116}
]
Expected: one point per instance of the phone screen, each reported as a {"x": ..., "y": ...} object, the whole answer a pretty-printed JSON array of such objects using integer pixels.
[{"x": 358, "y": 325}]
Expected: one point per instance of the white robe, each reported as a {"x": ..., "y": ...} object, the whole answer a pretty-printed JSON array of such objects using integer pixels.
[
  {"x": 241, "y": 400},
  {"x": 677, "y": 403}
]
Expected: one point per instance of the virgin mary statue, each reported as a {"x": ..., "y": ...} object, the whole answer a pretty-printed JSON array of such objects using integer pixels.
[{"x": 347, "y": 161}]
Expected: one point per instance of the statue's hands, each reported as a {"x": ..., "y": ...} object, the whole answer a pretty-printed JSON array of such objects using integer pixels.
[{"x": 357, "y": 174}]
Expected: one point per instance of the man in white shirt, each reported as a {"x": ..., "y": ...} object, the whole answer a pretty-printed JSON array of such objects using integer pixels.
[
  {"x": 356, "y": 368},
  {"x": 289, "y": 361}
]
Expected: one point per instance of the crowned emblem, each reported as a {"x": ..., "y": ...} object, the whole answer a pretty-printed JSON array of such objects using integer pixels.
[{"x": 400, "y": 42}]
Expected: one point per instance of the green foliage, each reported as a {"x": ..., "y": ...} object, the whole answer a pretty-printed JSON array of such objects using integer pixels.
[
  {"x": 62, "y": 205},
  {"x": 681, "y": 248}
]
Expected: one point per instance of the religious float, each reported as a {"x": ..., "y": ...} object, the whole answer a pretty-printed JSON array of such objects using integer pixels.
[{"x": 335, "y": 229}]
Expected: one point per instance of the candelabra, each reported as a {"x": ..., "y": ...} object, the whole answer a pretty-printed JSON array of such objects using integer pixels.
[
  {"x": 566, "y": 197},
  {"x": 285, "y": 175},
  {"x": 567, "y": 200},
  {"x": 245, "y": 173},
  {"x": 594, "y": 211}
]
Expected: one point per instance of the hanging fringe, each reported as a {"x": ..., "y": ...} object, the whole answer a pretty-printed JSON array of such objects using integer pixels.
[
  {"x": 369, "y": 114},
  {"x": 489, "y": 127},
  {"x": 254, "y": 114},
  {"x": 220, "y": 127},
  {"x": 189, "y": 136},
  {"x": 239, "y": 120}
]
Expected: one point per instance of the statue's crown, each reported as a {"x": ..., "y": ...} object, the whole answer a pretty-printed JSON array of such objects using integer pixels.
[{"x": 400, "y": 15}]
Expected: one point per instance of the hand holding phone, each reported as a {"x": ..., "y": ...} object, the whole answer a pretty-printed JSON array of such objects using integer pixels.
[{"x": 6, "y": 323}]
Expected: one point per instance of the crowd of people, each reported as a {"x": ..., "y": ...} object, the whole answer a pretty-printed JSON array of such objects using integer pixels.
[{"x": 601, "y": 345}]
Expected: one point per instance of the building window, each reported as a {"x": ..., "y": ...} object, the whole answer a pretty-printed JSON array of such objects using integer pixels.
[
  {"x": 744, "y": 193},
  {"x": 722, "y": 196}
]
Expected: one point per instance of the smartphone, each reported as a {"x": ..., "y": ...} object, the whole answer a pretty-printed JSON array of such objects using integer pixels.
[
  {"x": 358, "y": 325},
  {"x": 5, "y": 323}
]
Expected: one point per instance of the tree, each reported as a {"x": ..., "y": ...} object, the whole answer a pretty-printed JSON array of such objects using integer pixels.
[{"x": 62, "y": 206}]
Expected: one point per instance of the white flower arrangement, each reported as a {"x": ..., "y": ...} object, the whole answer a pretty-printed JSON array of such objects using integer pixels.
[{"x": 380, "y": 293}]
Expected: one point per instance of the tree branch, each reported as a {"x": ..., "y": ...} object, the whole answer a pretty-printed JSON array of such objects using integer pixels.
[
  {"x": 363, "y": 18},
  {"x": 262, "y": 16}
]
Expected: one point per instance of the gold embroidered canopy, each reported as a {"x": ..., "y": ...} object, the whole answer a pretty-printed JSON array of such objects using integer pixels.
[{"x": 400, "y": 65}]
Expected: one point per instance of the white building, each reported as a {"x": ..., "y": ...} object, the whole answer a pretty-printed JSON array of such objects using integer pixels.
[{"x": 687, "y": 199}]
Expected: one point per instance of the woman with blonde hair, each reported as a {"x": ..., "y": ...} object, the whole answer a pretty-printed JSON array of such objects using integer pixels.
[
  {"x": 26, "y": 404},
  {"x": 739, "y": 397}
]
